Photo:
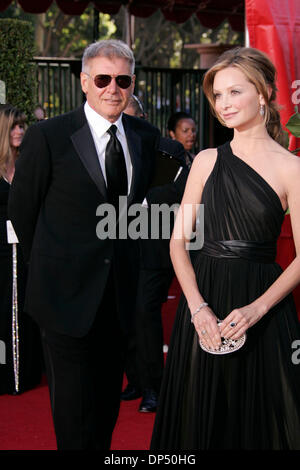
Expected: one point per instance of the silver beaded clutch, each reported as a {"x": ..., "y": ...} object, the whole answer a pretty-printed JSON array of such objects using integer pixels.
[{"x": 227, "y": 345}]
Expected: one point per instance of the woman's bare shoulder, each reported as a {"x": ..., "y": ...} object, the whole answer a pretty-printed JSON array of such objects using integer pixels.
[
  {"x": 288, "y": 161},
  {"x": 206, "y": 158},
  {"x": 288, "y": 166},
  {"x": 207, "y": 154},
  {"x": 202, "y": 166},
  {"x": 283, "y": 153}
]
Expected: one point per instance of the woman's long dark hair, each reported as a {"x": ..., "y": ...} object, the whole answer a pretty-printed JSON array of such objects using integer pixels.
[{"x": 9, "y": 117}]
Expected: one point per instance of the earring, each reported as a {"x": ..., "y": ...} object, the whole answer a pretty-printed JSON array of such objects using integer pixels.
[{"x": 262, "y": 110}]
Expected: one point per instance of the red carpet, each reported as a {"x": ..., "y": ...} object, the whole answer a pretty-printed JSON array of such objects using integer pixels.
[{"x": 26, "y": 423}]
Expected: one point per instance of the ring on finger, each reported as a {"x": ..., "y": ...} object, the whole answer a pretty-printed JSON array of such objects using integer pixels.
[
  {"x": 203, "y": 332},
  {"x": 233, "y": 324}
]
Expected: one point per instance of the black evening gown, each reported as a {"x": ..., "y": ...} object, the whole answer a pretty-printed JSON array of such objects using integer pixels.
[
  {"x": 29, "y": 370},
  {"x": 249, "y": 399}
]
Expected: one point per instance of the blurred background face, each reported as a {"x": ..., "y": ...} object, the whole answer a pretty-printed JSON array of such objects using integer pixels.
[
  {"x": 39, "y": 114},
  {"x": 16, "y": 135},
  {"x": 185, "y": 133},
  {"x": 131, "y": 111}
]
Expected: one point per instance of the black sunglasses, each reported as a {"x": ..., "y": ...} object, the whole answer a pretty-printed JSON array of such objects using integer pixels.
[{"x": 101, "y": 81}]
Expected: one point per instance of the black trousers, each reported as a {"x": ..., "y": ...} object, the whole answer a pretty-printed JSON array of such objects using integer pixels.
[
  {"x": 85, "y": 380},
  {"x": 144, "y": 358}
]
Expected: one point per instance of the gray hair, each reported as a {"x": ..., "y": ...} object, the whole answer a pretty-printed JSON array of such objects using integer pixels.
[
  {"x": 108, "y": 48},
  {"x": 137, "y": 106}
]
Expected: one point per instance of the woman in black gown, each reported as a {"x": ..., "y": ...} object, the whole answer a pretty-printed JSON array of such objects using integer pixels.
[
  {"x": 21, "y": 359},
  {"x": 249, "y": 398}
]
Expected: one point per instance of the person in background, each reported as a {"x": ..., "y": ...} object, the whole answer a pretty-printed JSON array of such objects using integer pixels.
[
  {"x": 145, "y": 359},
  {"x": 22, "y": 366},
  {"x": 39, "y": 113},
  {"x": 222, "y": 389},
  {"x": 135, "y": 108},
  {"x": 182, "y": 127}
]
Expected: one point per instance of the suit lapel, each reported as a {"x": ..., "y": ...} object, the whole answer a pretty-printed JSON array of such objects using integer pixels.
[
  {"x": 84, "y": 144},
  {"x": 134, "y": 142}
]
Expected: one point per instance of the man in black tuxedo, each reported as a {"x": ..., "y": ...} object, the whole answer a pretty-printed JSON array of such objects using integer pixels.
[{"x": 82, "y": 286}]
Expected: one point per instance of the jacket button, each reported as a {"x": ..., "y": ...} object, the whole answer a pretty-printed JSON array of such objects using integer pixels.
[{"x": 106, "y": 260}]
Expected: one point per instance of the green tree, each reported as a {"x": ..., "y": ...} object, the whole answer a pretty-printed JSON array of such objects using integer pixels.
[
  {"x": 16, "y": 69},
  {"x": 60, "y": 35},
  {"x": 160, "y": 43},
  {"x": 67, "y": 36},
  {"x": 157, "y": 42}
]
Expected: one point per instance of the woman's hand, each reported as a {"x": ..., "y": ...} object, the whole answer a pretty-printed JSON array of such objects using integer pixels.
[
  {"x": 239, "y": 320},
  {"x": 205, "y": 323}
]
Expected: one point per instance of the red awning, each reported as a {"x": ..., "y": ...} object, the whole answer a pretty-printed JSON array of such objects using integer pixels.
[
  {"x": 210, "y": 13},
  {"x": 274, "y": 27}
]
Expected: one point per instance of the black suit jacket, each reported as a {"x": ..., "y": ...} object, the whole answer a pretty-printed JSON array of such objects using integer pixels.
[
  {"x": 57, "y": 187},
  {"x": 155, "y": 253}
]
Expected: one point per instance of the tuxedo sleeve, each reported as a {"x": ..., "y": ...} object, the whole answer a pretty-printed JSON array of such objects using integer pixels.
[
  {"x": 29, "y": 186},
  {"x": 170, "y": 193},
  {"x": 172, "y": 149}
]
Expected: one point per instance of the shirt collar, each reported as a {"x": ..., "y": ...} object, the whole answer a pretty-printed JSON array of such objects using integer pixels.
[{"x": 99, "y": 124}]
